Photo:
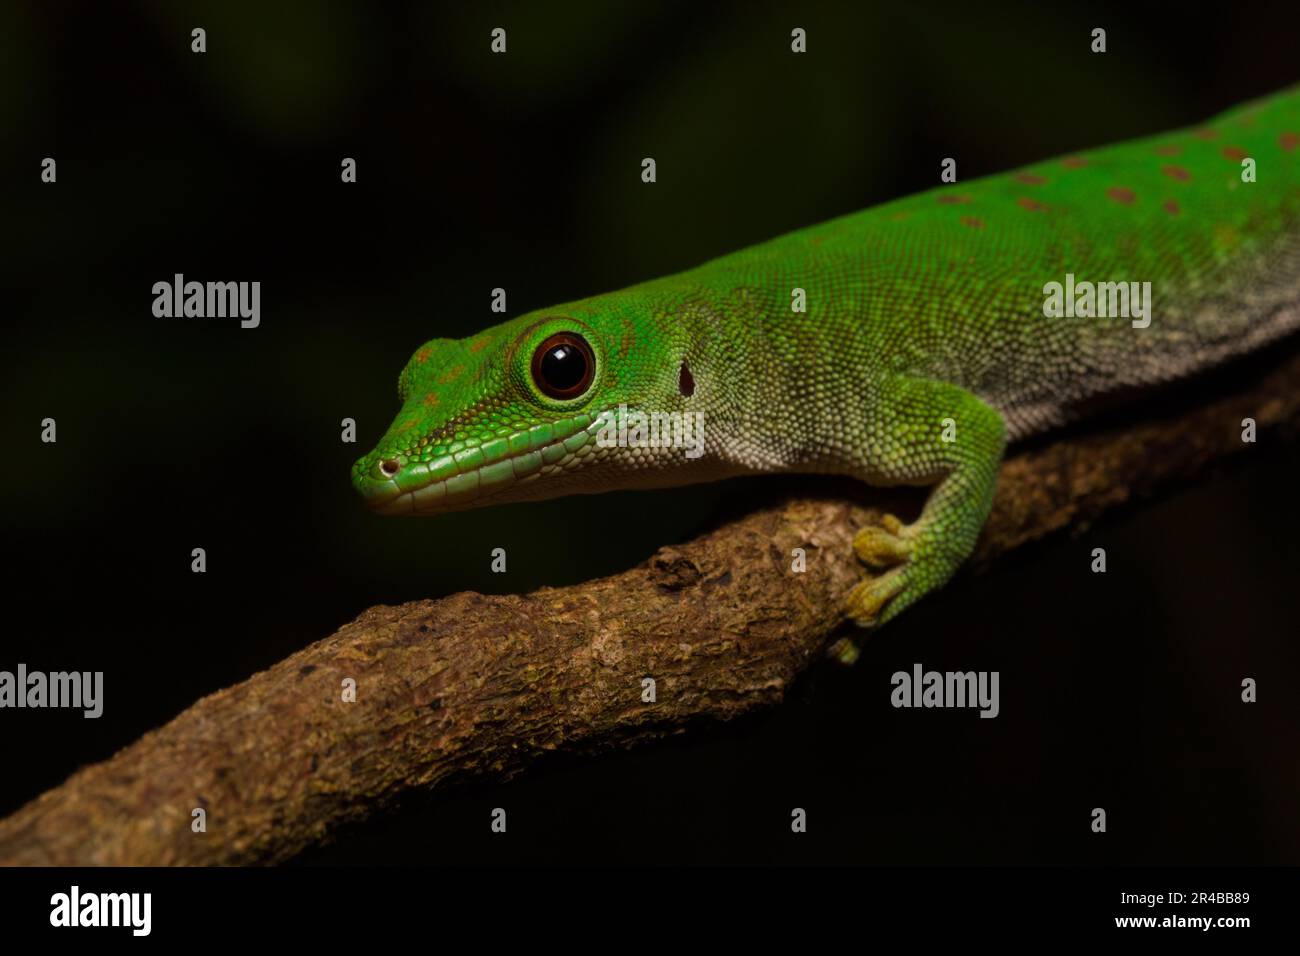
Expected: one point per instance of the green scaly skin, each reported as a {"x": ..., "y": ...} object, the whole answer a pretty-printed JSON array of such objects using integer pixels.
[{"x": 922, "y": 312}]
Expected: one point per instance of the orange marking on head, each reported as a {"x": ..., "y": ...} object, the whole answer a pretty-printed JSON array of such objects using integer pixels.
[
  {"x": 972, "y": 222},
  {"x": 1169, "y": 149},
  {"x": 1170, "y": 206},
  {"x": 1235, "y": 153},
  {"x": 479, "y": 344},
  {"x": 1033, "y": 205},
  {"x": 1029, "y": 179},
  {"x": 1206, "y": 133},
  {"x": 899, "y": 216},
  {"x": 1176, "y": 172},
  {"x": 422, "y": 354},
  {"x": 430, "y": 400},
  {"x": 1289, "y": 141},
  {"x": 1074, "y": 162},
  {"x": 406, "y": 425},
  {"x": 451, "y": 374},
  {"x": 1121, "y": 194},
  {"x": 950, "y": 199}
]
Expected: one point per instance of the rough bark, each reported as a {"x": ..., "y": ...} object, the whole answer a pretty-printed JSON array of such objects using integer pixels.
[{"x": 472, "y": 684}]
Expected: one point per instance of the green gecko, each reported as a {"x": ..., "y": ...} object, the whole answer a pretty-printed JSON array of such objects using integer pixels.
[{"x": 925, "y": 345}]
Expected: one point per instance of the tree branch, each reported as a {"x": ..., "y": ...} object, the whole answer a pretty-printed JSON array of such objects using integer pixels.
[{"x": 479, "y": 685}]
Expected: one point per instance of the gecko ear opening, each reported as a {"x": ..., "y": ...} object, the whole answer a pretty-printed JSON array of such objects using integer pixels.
[{"x": 686, "y": 381}]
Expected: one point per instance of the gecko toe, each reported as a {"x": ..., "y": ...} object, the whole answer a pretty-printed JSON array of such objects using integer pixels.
[
  {"x": 868, "y": 600},
  {"x": 883, "y": 546}
]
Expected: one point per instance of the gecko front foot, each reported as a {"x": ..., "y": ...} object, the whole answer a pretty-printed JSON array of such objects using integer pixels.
[
  {"x": 887, "y": 546},
  {"x": 909, "y": 561}
]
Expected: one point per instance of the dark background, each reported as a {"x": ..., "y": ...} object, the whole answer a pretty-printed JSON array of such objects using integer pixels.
[{"x": 522, "y": 171}]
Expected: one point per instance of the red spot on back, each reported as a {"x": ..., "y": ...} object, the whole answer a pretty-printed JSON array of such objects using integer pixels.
[
  {"x": 1074, "y": 162},
  {"x": 1170, "y": 206},
  {"x": 972, "y": 222},
  {"x": 1033, "y": 205},
  {"x": 1029, "y": 179},
  {"x": 1205, "y": 133},
  {"x": 1121, "y": 194},
  {"x": 1168, "y": 150},
  {"x": 1235, "y": 153},
  {"x": 949, "y": 199},
  {"x": 1289, "y": 141},
  {"x": 1176, "y": 172}
]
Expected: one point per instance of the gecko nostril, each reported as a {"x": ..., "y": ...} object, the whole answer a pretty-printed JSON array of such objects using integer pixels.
[{"x": 389, "y": 466}]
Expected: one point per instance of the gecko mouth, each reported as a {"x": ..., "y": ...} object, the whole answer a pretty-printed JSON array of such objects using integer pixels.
[{"x": 471, "y": 474}]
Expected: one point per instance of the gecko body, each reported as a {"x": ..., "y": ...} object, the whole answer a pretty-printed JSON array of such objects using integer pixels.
[{"x": 925, "y": 345}]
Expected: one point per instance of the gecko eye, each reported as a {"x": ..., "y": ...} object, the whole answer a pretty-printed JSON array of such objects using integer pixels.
[{"x": 563, "y": 365}]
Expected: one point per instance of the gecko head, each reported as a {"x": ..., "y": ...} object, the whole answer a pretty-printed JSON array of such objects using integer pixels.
[{"x": 502, "y": 415}]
